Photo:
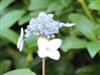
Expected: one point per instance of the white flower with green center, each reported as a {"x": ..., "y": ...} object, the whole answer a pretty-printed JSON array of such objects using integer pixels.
[{"x": 49, "y": 48}]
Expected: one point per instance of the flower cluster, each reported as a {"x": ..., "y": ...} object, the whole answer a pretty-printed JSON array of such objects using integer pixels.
[{"x": 44, "y": 25}]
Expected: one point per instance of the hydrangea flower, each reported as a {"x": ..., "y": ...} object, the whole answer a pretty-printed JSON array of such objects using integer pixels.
[
  {"x": 45, "y": 26},
  {"x": 48, "y": 48}
]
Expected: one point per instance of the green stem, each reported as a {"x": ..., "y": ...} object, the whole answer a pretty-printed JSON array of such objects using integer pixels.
[{"x": 87, "y": 11}]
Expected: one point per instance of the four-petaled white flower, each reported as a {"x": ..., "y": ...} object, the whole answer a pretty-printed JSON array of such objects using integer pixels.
[
  {"x": 20, "y": 40},
  {"x": 48, "y": 48}
]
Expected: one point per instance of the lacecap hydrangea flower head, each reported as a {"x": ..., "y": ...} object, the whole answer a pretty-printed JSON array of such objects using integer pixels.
[{"x": 45, "y": 26}]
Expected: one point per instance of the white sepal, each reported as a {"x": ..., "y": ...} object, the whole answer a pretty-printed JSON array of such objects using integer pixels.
[
  {"x": 20, "y": 40},
  {"x": 69, "y": 24},
  {"x": 48, "y": 48}
]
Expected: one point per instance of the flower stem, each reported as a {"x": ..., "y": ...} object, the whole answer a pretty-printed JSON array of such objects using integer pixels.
[
  {"x": 87, "y": 11},
  {"x": 43, "y": 66}
]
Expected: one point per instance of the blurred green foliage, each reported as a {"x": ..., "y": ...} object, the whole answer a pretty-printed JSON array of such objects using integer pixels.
[{"x": 80, "y": 50}]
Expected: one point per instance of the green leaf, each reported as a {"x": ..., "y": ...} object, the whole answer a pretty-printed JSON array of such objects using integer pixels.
[
  {"x": 93, "y": 48},
  {"x": 54, "y": 6},
  {"x": 24, "y": 19},
  {"x": 34, "y": 13},
  {"x": 84, "y": 25},
  {"x": 19, "y": 62},
  {"x": 4, "y": 66},
  {"x": 73, "y": 43},
  {"x": 28, "y": 17},
  {"x": 58, "y": 5},
  {"x": 4, "y": 4},
  {"x": 26, "y": 2},
  {"x": 10, "y": 35},
  {"x": 10, "y": 18},
  {"x": 30, "y": 44},
  {"x": 93, "y": 69},
  {"x": 38, "y": 4},
  {"x": 66, "y": 3},
  {"x": 98, "y": 29},
  {"x": 20, "y": 72},
  {"x": 94, "y": 4}
]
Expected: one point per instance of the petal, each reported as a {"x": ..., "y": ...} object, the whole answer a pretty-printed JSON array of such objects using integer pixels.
[
  {"x": 20, "y": 40},
  {"x": 69, "y": 24},
  {"x": 54, "y": 54},
  {"x": 42, "y": 54},
  {"x": 21, "y": 46},
  {"x": 55, "y": 44},
  {"x": 42, "y": 14},
  {"x": 50, "y": 15},
  {"x": 22, "y": 32},
  {"x": 28, "y": 33},
  {"x": 42, "y": 43}
]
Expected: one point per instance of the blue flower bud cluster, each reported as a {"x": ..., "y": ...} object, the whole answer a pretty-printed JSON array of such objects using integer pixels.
[{"x": 43, "y": 25}]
